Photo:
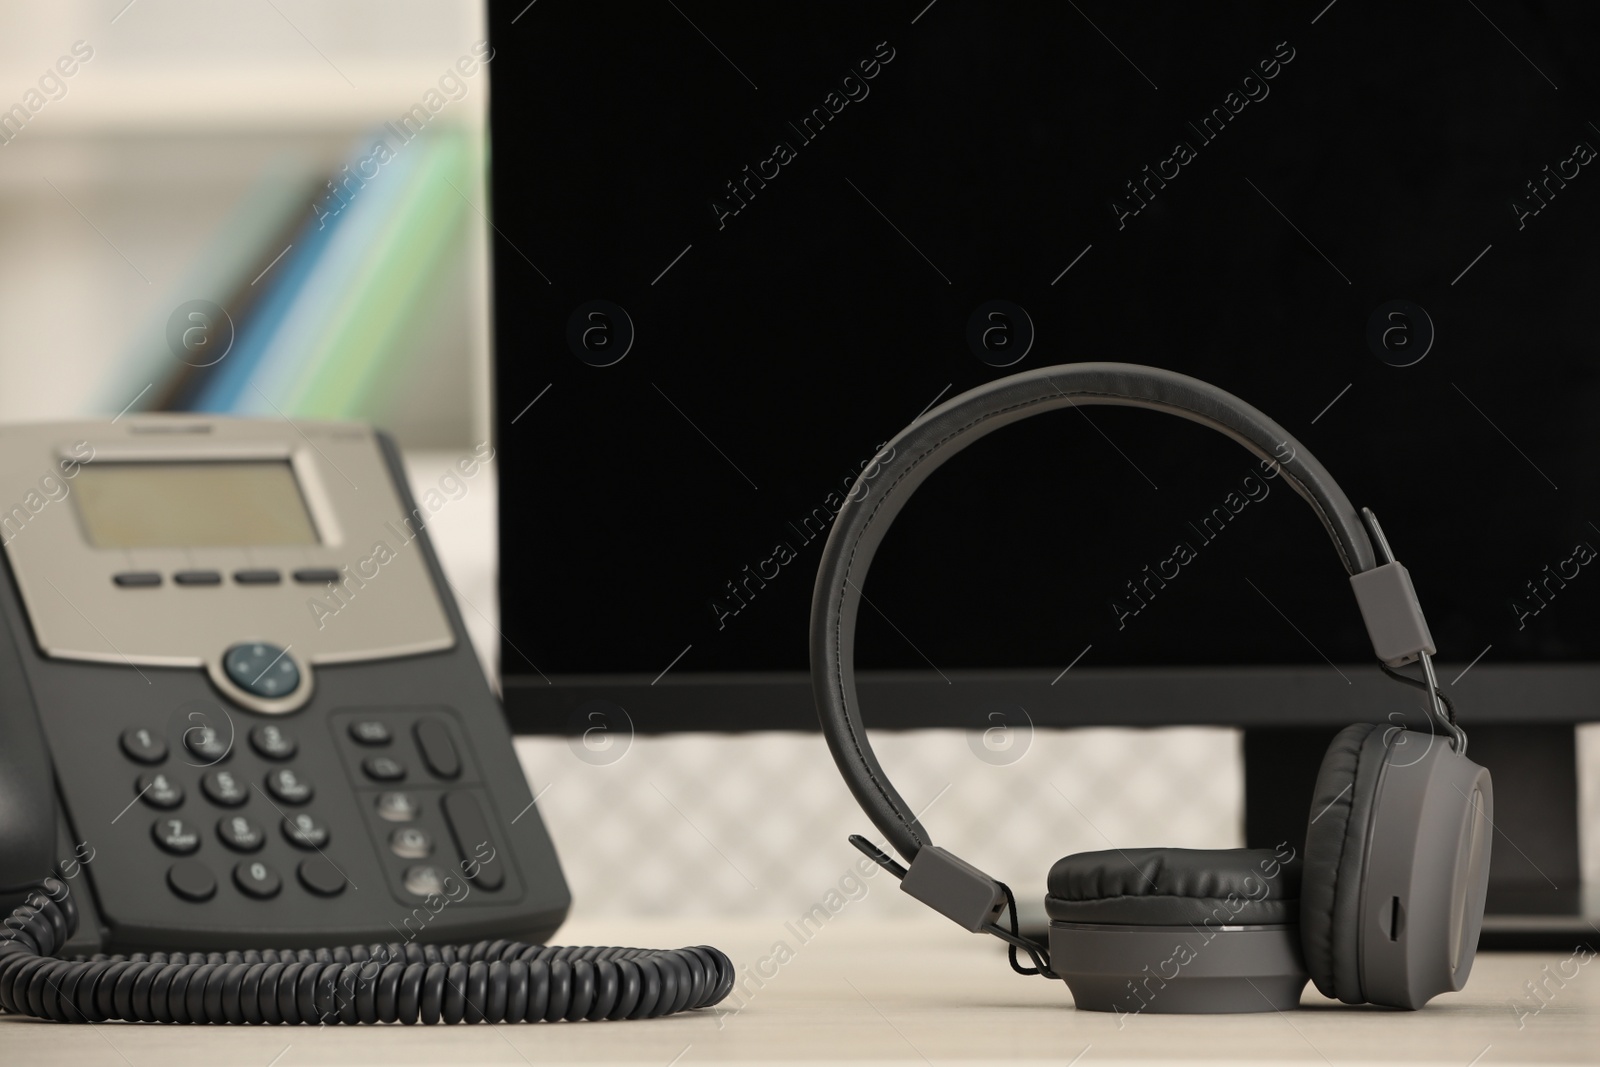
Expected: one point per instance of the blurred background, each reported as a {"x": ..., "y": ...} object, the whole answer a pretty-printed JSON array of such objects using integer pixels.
[
  {"x": 222, "y": 160},
  {"x": 189, "y": 157}
]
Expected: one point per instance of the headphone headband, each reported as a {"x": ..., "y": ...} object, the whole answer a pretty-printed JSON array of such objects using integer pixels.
[{"x": 1384, "y": 591}]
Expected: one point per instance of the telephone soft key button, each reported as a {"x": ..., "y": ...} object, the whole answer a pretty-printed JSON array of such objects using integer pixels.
[
  {"x": 319, "y": 875},
  {"x": 197, "y": 578},
  {"x": 191, "y": 880},
  {"x": 143, "y": 745},
  {"x": 271, "y": 742},
  {"x": 137, "y": 579},
  {"x": 305, "y": 830},
  {"x": 317, "y": 575},
  {"x": 288, "y": 786},
  {"x": 258, "y": 576},
  {"x": 239, "y": 833},
  {"x": 438, "y": 751},
  {"x": 471, "y": 832},
  {"x": 256, "y": 879},
  {"x": 175, "y": 836},
  {"x": 369, "y": 732},
  {"x": 205, "y": 743},
  {"x": 383, "y": 769},
  {"x": 222, "y": 787},
  {"x": 159, "y": 791}
]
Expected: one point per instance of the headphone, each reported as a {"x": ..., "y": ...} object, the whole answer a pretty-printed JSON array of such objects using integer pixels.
[{"x": 1386, "y": 904}]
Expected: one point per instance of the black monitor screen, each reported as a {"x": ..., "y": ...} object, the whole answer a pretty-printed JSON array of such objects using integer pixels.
[{"x": 739, "y": 246}]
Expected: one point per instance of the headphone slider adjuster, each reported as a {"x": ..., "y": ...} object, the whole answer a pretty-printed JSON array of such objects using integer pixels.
[
  {"x": 1393, "y": 615},
  {"x": 954, "y": 888}
]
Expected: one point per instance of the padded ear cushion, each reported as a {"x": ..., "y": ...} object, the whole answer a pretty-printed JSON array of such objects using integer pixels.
[
  {"x": 1336, "y": 846},
  {"x": 1176, "y": 887}
]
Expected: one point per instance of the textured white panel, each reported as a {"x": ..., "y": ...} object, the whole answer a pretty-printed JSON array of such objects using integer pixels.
[{"x": 757, "y": 823}]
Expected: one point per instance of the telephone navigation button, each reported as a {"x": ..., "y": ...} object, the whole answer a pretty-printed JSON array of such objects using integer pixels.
[
  {"x": 145, "y": 746},
  {"x": 262, "y": 669},
  {"x": 175, "y": 836},
  {"x": 191, "y": 880}
]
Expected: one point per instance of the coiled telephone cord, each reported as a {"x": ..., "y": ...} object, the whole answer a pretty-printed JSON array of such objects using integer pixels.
[{"x": 487, "y": 981}]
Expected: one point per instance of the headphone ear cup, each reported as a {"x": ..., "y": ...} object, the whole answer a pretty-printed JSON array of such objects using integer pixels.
[{"x": 1336, "y": 840}]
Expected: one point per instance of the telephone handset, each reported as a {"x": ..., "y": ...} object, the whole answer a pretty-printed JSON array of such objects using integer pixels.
[{"x": 238, "y": 707}]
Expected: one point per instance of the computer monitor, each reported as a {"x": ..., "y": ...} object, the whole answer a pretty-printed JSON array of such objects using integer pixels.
[{"x": 738, "y": 246}]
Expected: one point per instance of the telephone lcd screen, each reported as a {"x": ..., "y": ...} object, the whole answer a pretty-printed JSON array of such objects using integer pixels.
[{"x": 167, "y": 505}]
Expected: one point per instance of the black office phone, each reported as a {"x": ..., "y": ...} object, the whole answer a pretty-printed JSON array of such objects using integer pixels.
[
  {"x": 250, "y": 768},
  {"x": 265, "y": 721}
]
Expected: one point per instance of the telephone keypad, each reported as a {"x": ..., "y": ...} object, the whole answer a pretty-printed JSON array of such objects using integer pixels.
[
  {"x": 224, "y": 788},
  {"x": 319, "y": 875},
  {"x": 143, "y": 745},
  {"x": 175, "y": 836},
  {"x": 192, "y": 880},
  {"x": 159, "y": 790},
  {"x": 288, "y": 787},
  {"x": 206, "y": 743},
  {"x": 240, "y": 834},
  {"x": 305, "y": 830},
  {"x": 430, "y": 835},
  {"x": 270, "y": 741},
  {"x": 256, "y": 879}
]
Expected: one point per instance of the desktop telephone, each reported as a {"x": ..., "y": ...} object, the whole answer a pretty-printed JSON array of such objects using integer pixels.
[{"x": 238, "y": 708}]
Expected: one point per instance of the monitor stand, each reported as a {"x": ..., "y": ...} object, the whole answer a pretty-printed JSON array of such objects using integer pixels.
[{"x": 1537, "y": 900}]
